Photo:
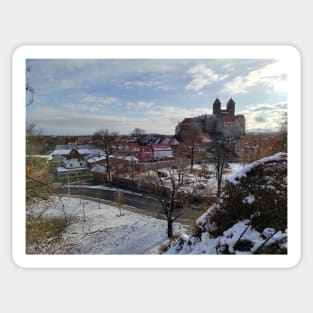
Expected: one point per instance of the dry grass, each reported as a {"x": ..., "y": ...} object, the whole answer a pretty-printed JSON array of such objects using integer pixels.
[{"x": 42, "y": 235}]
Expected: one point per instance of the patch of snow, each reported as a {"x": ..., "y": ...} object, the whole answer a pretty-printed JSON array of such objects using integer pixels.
[
  {"x": 202, "y": 220},
  {"x": 268, "y": 232},
  {"x": 96, "y": 159},
  {"x": 242, "y": 231},
  {"x": 63, "y": 169},
  {"x": 98, "y": 169},
  {"x": 102, "y": 187},
  {"x": 81, "y": 151},
  {"x": 232, "y": 235},
  {"x": 102, "y": 231},
  {"x": 131, "y": 159},
  {"x": 43, "y": 156},
  {"x": 234, "y": 179},
  {"x": 249, "y": 199}
]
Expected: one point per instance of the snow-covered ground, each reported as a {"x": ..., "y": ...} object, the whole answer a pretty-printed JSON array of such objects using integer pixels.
[
  {"x": 103, "y": 231},
  {"x": 193, "y": 183},
  {"x": 239, "y": 231},
  {"x": 103, "y": 187}
]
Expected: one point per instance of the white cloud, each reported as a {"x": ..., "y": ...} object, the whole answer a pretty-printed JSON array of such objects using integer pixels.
[
  {"x": 271, "y": 76},
  {"x": 54, "y": 121},
  {"x": 140, "y": 105},
  {"x": 229, "y": 67},
  {"x": 75, "y": 106},
  {"x": 147, "y": 84},
  {"x": 138, "y": 83},
  {"x": 161, "y": 120},
  {"x": 264, "y": 116},
  {"x": 177, "y": 113},
  {"x": 202, "y": 76},
  {"x": 83, "y": 107},
  {"x": 99, "y": 100}
]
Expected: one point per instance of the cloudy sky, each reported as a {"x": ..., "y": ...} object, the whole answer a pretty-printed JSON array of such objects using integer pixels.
[{"x": 78, "y": 97}]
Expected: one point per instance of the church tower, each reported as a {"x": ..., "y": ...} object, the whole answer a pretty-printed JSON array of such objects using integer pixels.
[
  {"x": 231, "y": 106},
  {"x": 217, "y": 106}
]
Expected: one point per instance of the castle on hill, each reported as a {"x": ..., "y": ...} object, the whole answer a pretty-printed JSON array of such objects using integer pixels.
[{"x": 222, "y": 123}]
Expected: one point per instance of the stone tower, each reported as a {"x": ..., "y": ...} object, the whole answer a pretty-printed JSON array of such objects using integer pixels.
[
  {"x": 217, "y": 106},
  {"x": 231, "y": 106}
]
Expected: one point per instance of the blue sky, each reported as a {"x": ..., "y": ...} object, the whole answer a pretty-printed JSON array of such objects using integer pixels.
[{"x": 78, "y": 97}]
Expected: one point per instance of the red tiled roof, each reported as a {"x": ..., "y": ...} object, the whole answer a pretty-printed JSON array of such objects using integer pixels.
[
  {"x": 161, "y": 146},
  {"x": 145, "y": 149},
  {"x": 228, "y": 118},
  {"x": 129, "y": 144},
  {"x": 187, "y": 120}
]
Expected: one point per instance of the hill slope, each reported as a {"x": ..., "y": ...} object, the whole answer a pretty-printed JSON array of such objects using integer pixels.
[{"x": 250, "y": 217}]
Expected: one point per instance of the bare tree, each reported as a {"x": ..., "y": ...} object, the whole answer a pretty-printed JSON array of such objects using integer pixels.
[
  {"x": 32, "y": 130},
  {"x": 181, "y": 166},
  {"x": 30, "y": 91},
  {"x": 220, "y": 156},
  {"x": 193, "y": 141},
  {"x": 132, "y": 167},
  {"x": 172, "y": 201},
  {"x": 283, "y": 133},
  {"x": 110, "y": 143},
  {"x": 252, "y": 147},
  {"x": 38, "y": 185},
  {"x": 138, "y": 132}
]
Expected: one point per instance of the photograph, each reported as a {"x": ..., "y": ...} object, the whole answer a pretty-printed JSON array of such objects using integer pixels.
[{"x": 163, "y": 156}]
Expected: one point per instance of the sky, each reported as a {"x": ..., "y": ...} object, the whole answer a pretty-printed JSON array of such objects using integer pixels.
[{"x": 81, "y": 96}]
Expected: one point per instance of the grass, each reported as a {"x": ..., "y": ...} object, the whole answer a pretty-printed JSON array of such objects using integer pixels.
[{"x": 42, "y": 234}]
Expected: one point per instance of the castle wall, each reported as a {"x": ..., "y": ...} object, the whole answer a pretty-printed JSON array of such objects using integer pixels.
[
  {"x": 210, "y": 125},
  {"x": 223, "y": 121}
]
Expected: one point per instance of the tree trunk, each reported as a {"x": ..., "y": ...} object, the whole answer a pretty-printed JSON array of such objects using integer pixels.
[
  {"x": 192, "y": 156},
  {"x": 108, "y": 168},
  {"x": 219, "y": 182},
  {"x": 169, "y": 228}
]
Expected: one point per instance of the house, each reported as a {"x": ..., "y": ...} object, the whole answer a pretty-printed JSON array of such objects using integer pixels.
[
  {"x": 96, "y": 159},
  {"x": 159, "y": 139},
  {"x": 146, "y": 154},
  {"x": 129, "y": 148},
  {"x": 74, "y": 167},
  {"x": 162, "y": 152},
  {"x": 142, "y": 153},
  {"x": 99, "y": 172}
]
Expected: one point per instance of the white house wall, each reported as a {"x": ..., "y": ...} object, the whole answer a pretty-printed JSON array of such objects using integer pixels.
[{"x": 75, "y": 163}]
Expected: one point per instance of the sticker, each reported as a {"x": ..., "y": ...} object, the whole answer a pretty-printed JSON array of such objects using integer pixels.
[{"x": 156, "y": 156}]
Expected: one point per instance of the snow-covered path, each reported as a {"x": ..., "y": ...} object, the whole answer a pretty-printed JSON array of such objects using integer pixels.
[{"x": 103, "y": 231}]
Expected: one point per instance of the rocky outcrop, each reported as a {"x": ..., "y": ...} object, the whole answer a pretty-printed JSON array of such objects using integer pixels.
[{"x": 250, "y": 216}]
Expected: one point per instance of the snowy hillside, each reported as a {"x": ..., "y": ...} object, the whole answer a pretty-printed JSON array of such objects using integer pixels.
[
  {"x": 104, "y": 230},
  {"x": 250, "y": 216}
]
